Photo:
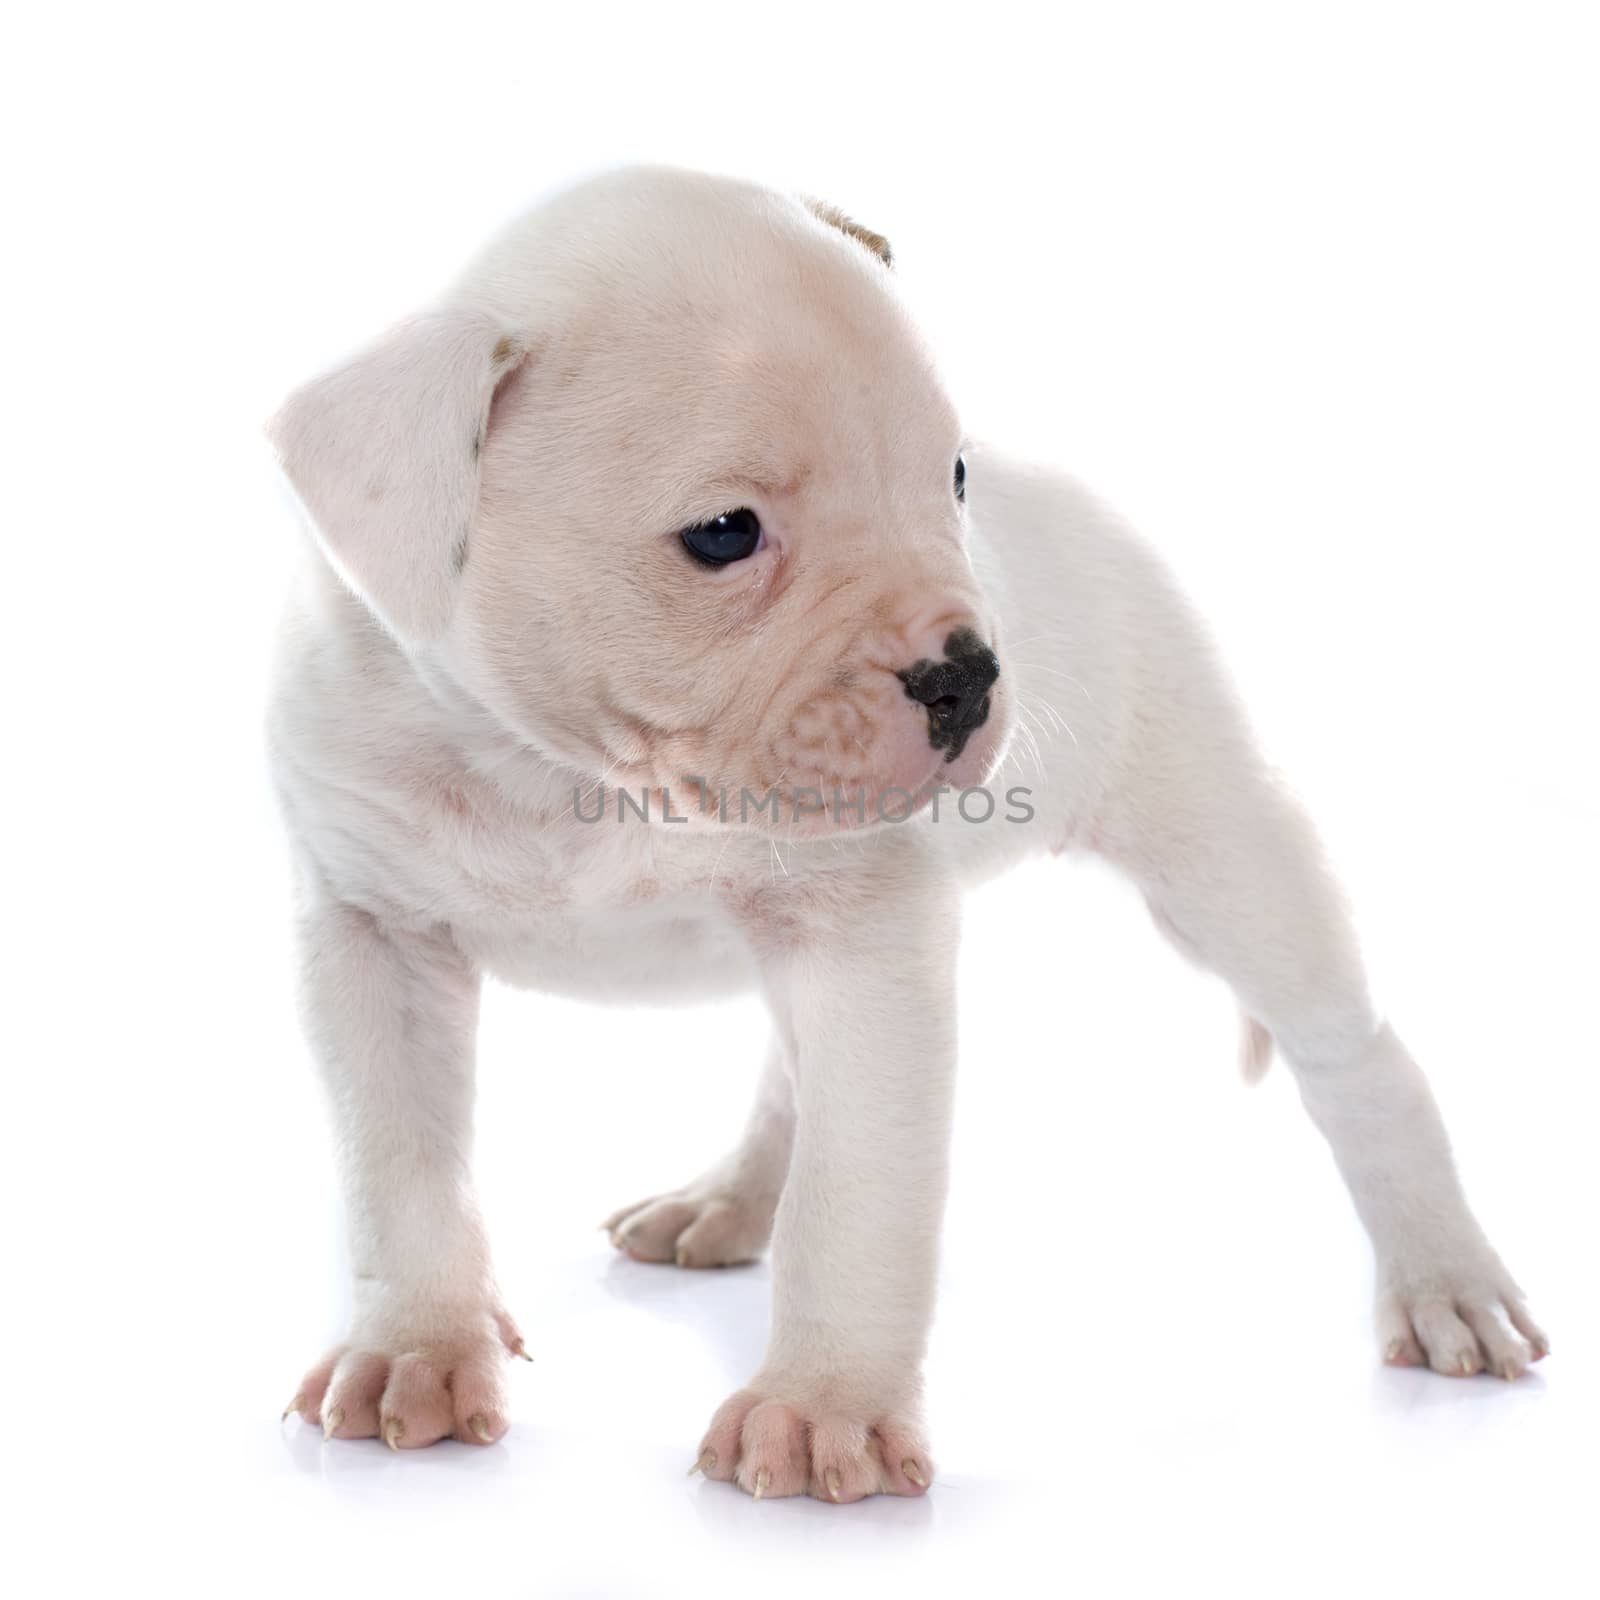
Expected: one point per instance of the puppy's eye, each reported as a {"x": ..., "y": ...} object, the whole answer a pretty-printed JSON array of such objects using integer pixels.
[
  {"x": 961, "y": 478},
  {"x": 730, "y": 537}
]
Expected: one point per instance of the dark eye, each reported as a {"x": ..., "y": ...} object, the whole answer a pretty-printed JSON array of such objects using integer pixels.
[
  {"x": 961, "y": 478},
  {"x": 730, "y": 537}
]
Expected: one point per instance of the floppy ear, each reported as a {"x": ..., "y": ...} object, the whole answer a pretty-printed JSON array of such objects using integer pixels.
[
  {"x": 832, "y": 215},
  {"x": 383, "y": 453}
]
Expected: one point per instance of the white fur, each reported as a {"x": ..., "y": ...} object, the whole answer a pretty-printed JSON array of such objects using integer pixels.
[{"x": 496, "y": 615}]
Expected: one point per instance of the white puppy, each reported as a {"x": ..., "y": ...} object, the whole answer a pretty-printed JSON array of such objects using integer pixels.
[{"x": 663, "y": 509}]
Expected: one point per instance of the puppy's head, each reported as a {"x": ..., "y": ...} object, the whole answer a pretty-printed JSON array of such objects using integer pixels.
[{"x": 671, "y": 485}]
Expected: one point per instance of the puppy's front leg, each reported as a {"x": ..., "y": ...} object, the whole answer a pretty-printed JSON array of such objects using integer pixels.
[
  {"x": 861, "y": 985},
  {"x": 391, "y": 1016}
]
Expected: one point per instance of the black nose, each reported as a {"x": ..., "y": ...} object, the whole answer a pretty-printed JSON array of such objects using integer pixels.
[{"x": 955, "y": 690}]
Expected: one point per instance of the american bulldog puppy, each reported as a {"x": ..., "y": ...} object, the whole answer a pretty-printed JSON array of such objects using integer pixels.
[{"x": 662, "y": 634}]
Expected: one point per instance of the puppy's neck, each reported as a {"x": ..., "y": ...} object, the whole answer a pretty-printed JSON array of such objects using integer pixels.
[
  {"x": 414, "y": 696},
  {"x": 527, "y": 776}
]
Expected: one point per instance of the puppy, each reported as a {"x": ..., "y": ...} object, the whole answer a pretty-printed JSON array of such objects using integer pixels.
[{"x": 657, "y": 618}]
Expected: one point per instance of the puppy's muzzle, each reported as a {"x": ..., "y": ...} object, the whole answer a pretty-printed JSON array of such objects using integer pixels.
[{"x": 955, "y": 690}]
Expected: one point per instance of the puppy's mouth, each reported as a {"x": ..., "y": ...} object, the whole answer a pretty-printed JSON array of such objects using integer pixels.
[
  {"x": 863, "y": 754},
  {"x": 799, "y": 805}
]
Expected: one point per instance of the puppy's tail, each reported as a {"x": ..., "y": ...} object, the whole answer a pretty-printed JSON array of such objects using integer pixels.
[{"x": 1255, "y": 1049}]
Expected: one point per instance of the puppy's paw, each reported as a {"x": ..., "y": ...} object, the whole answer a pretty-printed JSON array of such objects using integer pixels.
[
  {"x": 1458, "y": 1320},
  {"x": 772, "y": 1441},
  {"x": 412, "y": 1386},
  {"x": 706, "y": 1224}
]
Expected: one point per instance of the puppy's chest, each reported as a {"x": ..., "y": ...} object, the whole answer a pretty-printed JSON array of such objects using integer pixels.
[{"x": 598, "y": 909}]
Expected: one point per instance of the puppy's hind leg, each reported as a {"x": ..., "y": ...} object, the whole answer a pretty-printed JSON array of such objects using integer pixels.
[
  {"x": 725, "y": 1215},
  {"x": 1234, "y": 873}
]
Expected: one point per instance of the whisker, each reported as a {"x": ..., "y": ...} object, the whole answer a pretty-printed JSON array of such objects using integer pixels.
[
  {"x": 1025, "y": 733},
  {"x": 1054, "y": 672},
  {"x": 716, "y": 866},
  {"x": 1038, "y": 704}
]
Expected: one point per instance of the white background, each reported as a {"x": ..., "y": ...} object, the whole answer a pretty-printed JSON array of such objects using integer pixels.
[{"x": 1308, "y": 290}]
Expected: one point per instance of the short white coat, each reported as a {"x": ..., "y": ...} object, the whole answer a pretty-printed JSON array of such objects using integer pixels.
[{"x": 498, "y": 629}]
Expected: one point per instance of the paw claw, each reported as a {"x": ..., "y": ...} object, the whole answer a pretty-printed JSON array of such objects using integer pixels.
[
  {"x": 521, "y": 1350},
  {"x": 774, "y": 1439},
  {"x": 480, "y": 1428},
  {"x": 704, "y": 1462},
  {"x": 1459, "y": 1319},
  {"x": 290, "y": 1409},
  {"x": 409, "y": 1388}
]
